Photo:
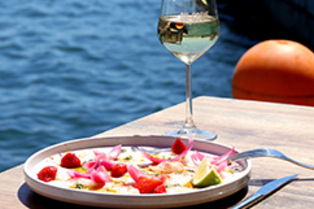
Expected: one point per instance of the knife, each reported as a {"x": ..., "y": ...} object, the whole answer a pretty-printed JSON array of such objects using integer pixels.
[{"x": 263, "y": 191}]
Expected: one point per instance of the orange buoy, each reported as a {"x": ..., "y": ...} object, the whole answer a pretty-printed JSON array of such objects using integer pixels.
[{"x": 276, "y": 71}]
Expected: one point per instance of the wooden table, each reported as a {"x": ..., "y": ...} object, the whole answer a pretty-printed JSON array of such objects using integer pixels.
[{"x": 243, "y": 124}]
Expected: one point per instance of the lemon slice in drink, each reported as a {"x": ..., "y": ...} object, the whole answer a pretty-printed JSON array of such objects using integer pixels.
[{"x": 206, "y": 175}]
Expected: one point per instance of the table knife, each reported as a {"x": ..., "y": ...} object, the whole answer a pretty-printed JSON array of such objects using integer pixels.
[{"x": 263, "y": 191}]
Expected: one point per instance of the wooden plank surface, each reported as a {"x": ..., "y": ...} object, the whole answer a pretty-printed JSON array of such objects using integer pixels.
[{"x": 243, "y": 124}]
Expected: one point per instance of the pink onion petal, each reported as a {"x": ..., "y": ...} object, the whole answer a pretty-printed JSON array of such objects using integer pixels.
[
  {"x": 219, "y": 162},
  {"x": 98, "y": 152},
  {"x": 92, "y": 169},
  {"x": 135, "y": 173},
  {"x": 211, "y": 159},
  {"x": 101, "y": 160},
  {"x": 151, "y": 158},
  {"x": 96, "y": 170},
  {"x": 101, "y": 170},
  {"x": 195, "y": 159},
  {"x": 177, "y": 158},
  {"x": 89, "y": 171},
  {"x": 106, "y": 175},
  {"x": 199, "y": 155},
  {"x": 115, "y": 152},
  {"x": 220, "y": 167},
  {"x": 98, "y": 178},
  {"x": 89, "y": 165},
  {"x": 100, "y": 155},
  {"x": 97, "y": 162},
  {"x": 224, "y": 157},
  {"x": 107, "y": 164},
  {"x": 75, "y": 174}
]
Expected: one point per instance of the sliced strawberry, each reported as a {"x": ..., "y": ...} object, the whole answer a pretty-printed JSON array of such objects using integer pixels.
[
  {"x": 70, "y": 160},
  {"x": 48, "y": 173},
  {"x": 160, "y": 189},
  {"x": 178, "y": 147},
  {"x": 147, "y": 184},
  {"x": 118, "y": 170}
]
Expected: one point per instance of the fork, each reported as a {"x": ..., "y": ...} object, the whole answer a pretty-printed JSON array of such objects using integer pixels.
[
  {"x": 151, "y": 151},
  {"x": 266, "y": 152}
]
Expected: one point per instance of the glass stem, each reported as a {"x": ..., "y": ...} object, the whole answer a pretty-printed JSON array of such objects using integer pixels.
[{"x": 189, "y": 124}]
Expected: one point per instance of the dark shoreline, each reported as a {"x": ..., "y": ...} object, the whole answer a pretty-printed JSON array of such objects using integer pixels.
[{"x": 276, "y": 19}]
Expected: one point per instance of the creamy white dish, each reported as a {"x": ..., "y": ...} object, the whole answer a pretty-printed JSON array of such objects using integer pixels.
[{"x": 121, "y": 170}]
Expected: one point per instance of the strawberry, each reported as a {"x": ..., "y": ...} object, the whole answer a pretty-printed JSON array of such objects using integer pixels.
[
  {"x": 118, "y": 170},
  {"x": 160, "y": 189},
  {"x": 147, "y": 184},
  {"x": 48, "y": 173},
  {"x": 70, "y": 160},
  {"x": 178, "y": 147}
]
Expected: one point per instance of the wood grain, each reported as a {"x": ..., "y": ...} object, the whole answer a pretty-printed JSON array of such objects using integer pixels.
[{"x": 243, "y": 124}]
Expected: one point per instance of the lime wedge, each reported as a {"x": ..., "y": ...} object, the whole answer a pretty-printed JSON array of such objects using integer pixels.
[{"x": 206, "y": 175}]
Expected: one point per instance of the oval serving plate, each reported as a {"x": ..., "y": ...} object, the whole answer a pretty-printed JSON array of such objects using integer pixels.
[{"x": 97, "y": 199}]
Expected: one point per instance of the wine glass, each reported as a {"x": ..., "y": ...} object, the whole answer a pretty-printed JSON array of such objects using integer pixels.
[{"x": 189, "y": 28}]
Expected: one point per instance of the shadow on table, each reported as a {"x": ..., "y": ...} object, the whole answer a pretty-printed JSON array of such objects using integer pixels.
[{"x": 35, "y": 201}]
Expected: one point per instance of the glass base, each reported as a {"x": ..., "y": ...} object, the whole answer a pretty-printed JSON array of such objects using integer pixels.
[{"x": 195, "y": 133}]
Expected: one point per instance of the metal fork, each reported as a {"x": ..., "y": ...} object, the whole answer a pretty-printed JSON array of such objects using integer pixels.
[
  {"x": 151, "y": 151},
  {"x": 266, "y": 152}
]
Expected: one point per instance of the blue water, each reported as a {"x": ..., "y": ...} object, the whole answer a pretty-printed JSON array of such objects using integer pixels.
[{"x": 74, "y": 68}]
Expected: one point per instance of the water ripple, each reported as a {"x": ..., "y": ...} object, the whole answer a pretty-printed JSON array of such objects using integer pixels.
[{"x": 73, "y": 68}]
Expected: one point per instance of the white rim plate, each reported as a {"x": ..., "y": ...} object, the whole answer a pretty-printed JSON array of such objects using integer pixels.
[{"x": 97, "y": 199}]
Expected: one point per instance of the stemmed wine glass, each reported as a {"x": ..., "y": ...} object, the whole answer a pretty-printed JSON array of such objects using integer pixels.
[{"x": 189, "y": 28}]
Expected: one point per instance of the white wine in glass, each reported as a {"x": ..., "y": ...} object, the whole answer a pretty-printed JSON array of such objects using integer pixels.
[{"x": 188, "y": 29}]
